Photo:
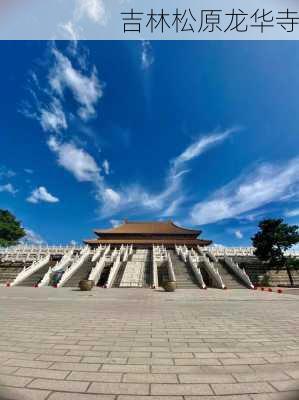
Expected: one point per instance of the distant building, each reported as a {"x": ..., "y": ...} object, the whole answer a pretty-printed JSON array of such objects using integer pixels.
[{"x": 147, "y": 234}]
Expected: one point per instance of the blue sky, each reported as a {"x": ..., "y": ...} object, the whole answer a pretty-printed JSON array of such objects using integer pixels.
[{"x": 204, "y": 133}]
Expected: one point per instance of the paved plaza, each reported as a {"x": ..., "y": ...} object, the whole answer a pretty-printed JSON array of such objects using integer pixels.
[{"x": 125, "y": 344}]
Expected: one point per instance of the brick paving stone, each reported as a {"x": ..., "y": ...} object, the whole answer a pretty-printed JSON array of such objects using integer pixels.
[
  {"x": 241, "y": 388},
  {"x": 15, "y": 381},
  {"x": 119, "y": 388},
  {"x": 66, "y": 386},
  {"x": 229, "y": 397},
  {"x": 22, "y": 394},
  {"x": 150, "y": 378},
  {"x": 180, "y": 389},
  {"x": 79, "y": 396},
  {"x": 261, "y": 377},
  {"x": 27, "y": 363},
  {"x": 128, "y": 397},
  {"x": 125, "y": 368},
  {"x": 95, "y": 376},
  {"x": 75, "y": 366},
  {"x": 230, "y": 344},
  {"x": 206, "y": 378},
  {"x": 288, "y": 385},
  {"x": 104, "y": 360}
]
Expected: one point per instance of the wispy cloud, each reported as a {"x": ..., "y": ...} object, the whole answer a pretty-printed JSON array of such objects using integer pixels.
[
  {"x": 75, "y": 160},
  {"x": 8, "y": 188},
  {"x": 32, "y": 238},
  {"x": 66, "y": 74},
  {"x": 6, "y": 173},
  {"x": 94, "y": 10},
  {"x": 267, "y": 183},
  {"x": 52, "y": 117},
  {"x": 292, "y": 213},
  {"x": 41, "y": 194},
  {"x": 238, "y": 234},
  {"x": 147, "y": 56},
  {"x": 200, "y": 146},
  {"x": 106, "y": 167},
  {"x": 86, "y": 89},
  {"x": 134, "y": 197}
]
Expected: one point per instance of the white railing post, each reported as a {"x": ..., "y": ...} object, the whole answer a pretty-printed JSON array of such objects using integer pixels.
[
  {"x": 96, "y": 272},
  {"x": 69, "y": 272},
  {"x": 238, "y": 271},
  {"x": 171, "y": 273},
  {"x": 113, "y": 272},
  {"x": 27, "y": 272},
  {"x": 197, "y": 272}
]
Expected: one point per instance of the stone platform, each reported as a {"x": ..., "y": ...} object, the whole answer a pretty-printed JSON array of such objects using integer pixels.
[{"x": 125, "y": 344}]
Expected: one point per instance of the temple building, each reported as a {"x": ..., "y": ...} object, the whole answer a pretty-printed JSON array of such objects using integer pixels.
[
  {"x": 147, "y": 234},
  {"x": 139, "y": 255}
]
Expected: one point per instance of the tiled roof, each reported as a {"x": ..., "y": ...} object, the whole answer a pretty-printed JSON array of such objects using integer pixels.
[{"x": 168, "y": 228}]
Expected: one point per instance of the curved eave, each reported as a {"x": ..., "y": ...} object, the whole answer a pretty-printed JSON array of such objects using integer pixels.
[{"x": 147, "y": 229}]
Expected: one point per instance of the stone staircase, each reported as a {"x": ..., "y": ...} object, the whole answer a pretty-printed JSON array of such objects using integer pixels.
[
  {"x": 185, "y": 278},
  {"x": 134, "y": 271},
  {"x": 82, "y": 273},
  {"x": 259, "y": 273},
  {"x": 230, "y": 280},
  {"x": 37, "y": 276},
  {"x": 9, "y": 273},
  {"x": 120, "y": 274}
]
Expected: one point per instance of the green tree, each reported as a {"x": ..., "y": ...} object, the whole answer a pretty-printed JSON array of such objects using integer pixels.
[
  {"x": 10, "y": 229},
  {"x": 272, "y": 240}
]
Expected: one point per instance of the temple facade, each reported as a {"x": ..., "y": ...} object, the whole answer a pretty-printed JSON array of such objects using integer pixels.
[
  {"x": 147, "y": 234},
  {"x": 139, "y": 255}
]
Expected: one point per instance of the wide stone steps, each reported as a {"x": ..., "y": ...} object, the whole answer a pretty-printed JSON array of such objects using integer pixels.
[
  {"x": 230, "y": 280},
  {"x": 36, "y": 277},
  {"x": 82, "y": 273},
  {"x": 185, "y": 278},
  {"x": 119, "y": 275},
  {"x": 8, "y": 274}
]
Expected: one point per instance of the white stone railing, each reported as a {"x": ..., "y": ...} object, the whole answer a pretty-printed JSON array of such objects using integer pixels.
[
  {"x": 27, "y": 272},
  {"x": 61, "y": 265},
  {"x": 241, "y": 273},
  {"x": 212, "y": 270},
  {"x": 170, "y": 269},
  {"x": 69, "y": 272},
  {"x": 96, "y": 272},
  {"x": 97, "y": 254},
  {"x": 182, "y": 252},
  {"x": 155, "y": 274},
  {"x": 196, "y": 270},
  {"x": 114, "y": 271}
]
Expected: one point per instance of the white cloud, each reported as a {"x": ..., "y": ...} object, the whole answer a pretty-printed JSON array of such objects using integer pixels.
[
  {"x": 71, "y": 32},
  {"x": 106, "y": 167},
  {"x": 75, "y": 160},
  {"x": 147, "y": 57},
  {"x": 115, "y": 222},
  {"x": 238, "y": 234},
  {"x": 135, "y": 197},
  {"x": 200, "y": 146},
  {"x": 95, "y": 10},
  {"x": 41, "y": 194},
  {"x": 111, "y": 197},
  {"x": 32, "y": 238},
  {"x": 53, "y": 118},
  {"x": 268, "y": 183},
  {"x": 292, "y": 213},
  {"x": 29, "y": 171},
  {"x": 8, "y": 188},
  {"x": 86, "y": 90},
  {"x": 6, "y": 173}
]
